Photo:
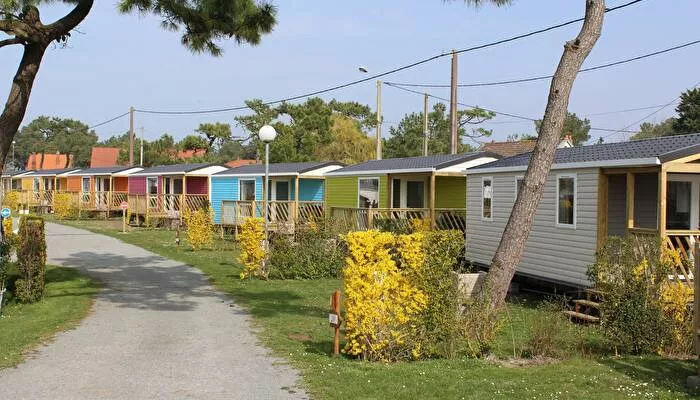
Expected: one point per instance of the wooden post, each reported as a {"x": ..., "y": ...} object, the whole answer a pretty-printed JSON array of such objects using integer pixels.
[
  {"x": 335, "y": 321},
  {"x": 696, "y": 304},
  {"x": 183, "y": 197},
  {"x": 433, "y": 222},
  {"x": 662, "y": 202},
  {"x": 370, "y": 218},
  {"x": 630, "y": 201},
  {"x": 602, "y": 209},
  {"x": 295, "y": 213}
]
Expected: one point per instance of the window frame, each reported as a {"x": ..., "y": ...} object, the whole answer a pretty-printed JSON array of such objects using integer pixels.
[
  {"x": 484, "y": 179},
  {"x": 558, "y": 224},
  {"x": 82, "y": 184},
  {"x": 148, "y": 192},
  {"x": 517, "y": 178},
  {"x": 379, "y": 190},
  {"x": 240, "y": 185}
]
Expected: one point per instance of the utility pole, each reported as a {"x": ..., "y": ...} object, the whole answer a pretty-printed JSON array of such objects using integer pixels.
[
  {"x": 426, "y": 134},
  {"x": 131, "y": 136},
  {"x": 379, "y": 120},
  {"x": 141, "y": 163},
  {"x": 454, "y": 134}
]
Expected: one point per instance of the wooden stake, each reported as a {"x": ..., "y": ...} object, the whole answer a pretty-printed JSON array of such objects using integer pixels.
[{"x": 335, "y": 321}]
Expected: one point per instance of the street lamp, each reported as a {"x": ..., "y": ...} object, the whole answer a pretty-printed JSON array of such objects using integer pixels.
[{"x": 267, "y": 134}]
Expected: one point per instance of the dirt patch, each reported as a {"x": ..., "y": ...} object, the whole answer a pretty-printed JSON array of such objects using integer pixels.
[
  {"x": 522, "y": 362},
  {"x": 300, "y": 337}
]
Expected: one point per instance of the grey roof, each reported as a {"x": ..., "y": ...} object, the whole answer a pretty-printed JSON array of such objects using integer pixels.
[
  {"x": 278, "y": 168},
  {"x": 52, "y": 172},
  {"x": 101, "y": 170},
  {"x": 665, "y": 148},
  {"x": 414, "y": 163},
  {"x": 7, "y": 174},
  {"x": 173, "y": 169}
]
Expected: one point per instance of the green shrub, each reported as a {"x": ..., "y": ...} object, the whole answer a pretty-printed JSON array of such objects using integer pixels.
[
  {"x": 31, "y": 260},
  {"x": 551, "y": 334},
  {"x": 436, "y": 279},
  {"x": 630, "y": 272},
  {"x": 479, "y": 323},
  {"x": 313, "y": 255}
]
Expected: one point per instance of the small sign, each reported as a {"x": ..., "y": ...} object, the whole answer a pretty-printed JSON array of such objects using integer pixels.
[
  {"x": 333, "y": 319},
  {"x": 5, "y": 213},
  {"x": 124, "y": 205}
]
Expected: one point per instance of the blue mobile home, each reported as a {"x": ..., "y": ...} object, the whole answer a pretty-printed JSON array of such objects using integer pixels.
[{"x": 297, "y": 190}]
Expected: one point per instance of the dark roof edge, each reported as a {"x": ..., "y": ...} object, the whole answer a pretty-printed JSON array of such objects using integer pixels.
[{"x": 680, "y": 153}]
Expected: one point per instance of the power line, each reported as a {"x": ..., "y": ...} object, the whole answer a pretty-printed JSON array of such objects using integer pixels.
[
  {"x": 543, "y": 77},
  {"x": 493, "y": 111},
  {"x": 109, "y": 120},
  {"x": 660, "y": 108},
  {"x": 392, "y": 71}
]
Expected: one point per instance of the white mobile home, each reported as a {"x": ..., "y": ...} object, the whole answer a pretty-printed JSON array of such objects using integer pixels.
[{"x": 643, "y": 187}]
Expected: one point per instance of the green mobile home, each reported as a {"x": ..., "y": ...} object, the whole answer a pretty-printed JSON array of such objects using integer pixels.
[{"x": 397, "y": 190}]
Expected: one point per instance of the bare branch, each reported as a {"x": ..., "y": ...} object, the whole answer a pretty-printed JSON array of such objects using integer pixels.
[{"x": 11, "y": 41}]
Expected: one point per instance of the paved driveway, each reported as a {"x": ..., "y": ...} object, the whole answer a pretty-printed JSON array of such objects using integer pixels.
[{"x": 157, "y": 331}]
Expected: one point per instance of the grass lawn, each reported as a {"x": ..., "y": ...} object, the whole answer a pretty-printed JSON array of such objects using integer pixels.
[
  {"x": 23, "y": 327},
  {"x": 292, "y": 317}
]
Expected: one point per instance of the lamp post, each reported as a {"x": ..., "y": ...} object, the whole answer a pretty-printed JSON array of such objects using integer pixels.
[{"x": 267, "y": 134}]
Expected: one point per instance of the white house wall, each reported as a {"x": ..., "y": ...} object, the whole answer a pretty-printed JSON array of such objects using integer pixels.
[
  {"x": 472, "y": 163},
  {"x": 559, "y": 254},
  {"x": 321, "y": 171}
]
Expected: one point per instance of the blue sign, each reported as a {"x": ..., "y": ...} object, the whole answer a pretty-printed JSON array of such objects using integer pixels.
[{"x": 5, "y": 213}]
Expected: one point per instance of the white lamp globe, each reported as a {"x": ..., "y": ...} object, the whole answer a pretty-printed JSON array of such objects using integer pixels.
[{"x": 267, "y": 133}]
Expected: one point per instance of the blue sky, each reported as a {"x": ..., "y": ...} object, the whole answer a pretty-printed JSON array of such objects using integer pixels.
[{"x": 123, "y": 60}]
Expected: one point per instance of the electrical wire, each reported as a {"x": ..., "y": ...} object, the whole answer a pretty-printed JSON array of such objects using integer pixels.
[
  {"x": 392, "y": 71},
  {"x": 494, "y": 111},
  {"x": 109, "y": 120},
  {"x": 543, "y": 77},
  {"x": 660, "y": 108}
]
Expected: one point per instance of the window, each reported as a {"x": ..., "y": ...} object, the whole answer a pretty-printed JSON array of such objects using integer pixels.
[
  {"x": 152, "y": 185},
  {"x": 16, "y": 184},
  {"x": 566, "y": 200},
  {"x": 368, "y": 192},
  {"x": 486, "y": 199},
  {"x": 37, "y": 184},
  {"x": 246, "y": 190},
  {"x": 519, "y": 181},
  {"x": 86, "y": 184}
]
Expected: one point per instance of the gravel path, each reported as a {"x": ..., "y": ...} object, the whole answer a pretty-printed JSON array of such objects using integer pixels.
[{"x": 158, "y": 331}]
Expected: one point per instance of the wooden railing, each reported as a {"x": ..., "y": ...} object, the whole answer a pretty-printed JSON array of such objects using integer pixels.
[
  {"x": 683, "y": 241},
  {"x": 280, "y": 213},
  {"x": 400, "y": 218}
]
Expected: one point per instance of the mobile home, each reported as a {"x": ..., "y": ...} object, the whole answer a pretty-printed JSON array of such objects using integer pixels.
[{"x": 641, "y": 187}]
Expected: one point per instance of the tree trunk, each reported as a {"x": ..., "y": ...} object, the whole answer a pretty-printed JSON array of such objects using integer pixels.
[
  {"x": 35, "y": 37},
  {"x": 17, "y": 101},
  {"x": 510, "y": 249}
]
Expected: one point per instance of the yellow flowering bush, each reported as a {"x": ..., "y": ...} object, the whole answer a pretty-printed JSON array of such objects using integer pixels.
[
  {"x": 642, "y": 310},
  {"x": 252, "y": 253},
  {"x": 200, "y": 228},
  {"x": 65, "y": 206},
  {"x": 382, "y": 306},
  {"x": 11, "y": 200},
  {"x": 420, "y": 225}
]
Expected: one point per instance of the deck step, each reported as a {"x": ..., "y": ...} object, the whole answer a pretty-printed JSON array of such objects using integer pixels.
[
  {"x": 582, "y": 317},
  {"x": 587, "y": 303}
]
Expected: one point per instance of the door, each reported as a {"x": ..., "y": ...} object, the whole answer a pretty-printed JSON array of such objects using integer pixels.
[
  {"x": 681, "y": 205},
  {"x": 152, "y": 192},
  {"x": 101, "y": 191},
  {"x": 246, "y": 197},
  {"x": 279, "y": 197}
]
